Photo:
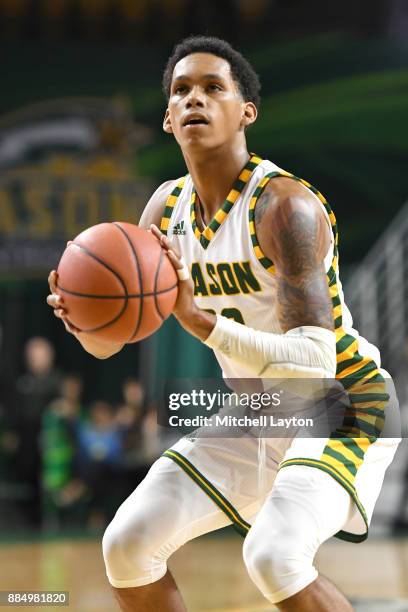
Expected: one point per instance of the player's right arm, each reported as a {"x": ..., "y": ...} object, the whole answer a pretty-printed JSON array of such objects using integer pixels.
[{"x": 95, "y": 346}]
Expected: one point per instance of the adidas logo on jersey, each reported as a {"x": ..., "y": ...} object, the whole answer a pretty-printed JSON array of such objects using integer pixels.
[{"x": 178, "y": 229}]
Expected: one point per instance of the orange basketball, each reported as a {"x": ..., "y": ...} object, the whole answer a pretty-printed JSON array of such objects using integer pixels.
[{"x": 117, "y": 282}]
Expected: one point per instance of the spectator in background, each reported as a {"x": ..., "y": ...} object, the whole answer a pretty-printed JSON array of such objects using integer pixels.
[
  {"x": 129, "y": 417},
  {"x": 100, "y": 456},
  {"x": 10, "y": 489},
  {"x": 34, "y": 391},
  {"x": 138, "y": 417},
  {"x": 8, "y": 437},
  {"x": 139, "y": 435},
  {"x": 64, "y": 493},
  {"x": 155, "y": 441}
]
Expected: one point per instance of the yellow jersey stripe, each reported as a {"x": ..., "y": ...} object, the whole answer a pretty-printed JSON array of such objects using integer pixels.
[{"x": 348, "y": 353}]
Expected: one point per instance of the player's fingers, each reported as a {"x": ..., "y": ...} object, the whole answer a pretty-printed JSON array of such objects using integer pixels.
[
  {"x": 177, "y": 261},
  {"x": 55, "y": 300},
  {"x": 173, "y": 248},
  {"x": 174, "y": 256},
  {"x": 165, "y": 241},
  {"x": 159, "y": 235},
  {"x": 166, "y": 244},
  {"x": 59, "y": 313},
  {"x": 180, "y": 265},
  {"x": 69, "y": 327},
  {"x": 155, "y": 231},
  {"x": 52, "y": 280}
]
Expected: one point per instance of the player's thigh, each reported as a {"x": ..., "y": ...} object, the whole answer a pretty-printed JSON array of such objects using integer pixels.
[
  {"x": 241, "y": 469},
  {"x": 166, "y": 508},
  {"x": 165, "y": 511},
  {"x": 305, "y": 507}
]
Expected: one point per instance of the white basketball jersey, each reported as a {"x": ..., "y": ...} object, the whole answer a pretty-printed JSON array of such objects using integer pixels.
[{"x": 232, "y": 276}]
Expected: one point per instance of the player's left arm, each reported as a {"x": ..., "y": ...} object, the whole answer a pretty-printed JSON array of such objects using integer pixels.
[{"x": 294, "y": 233}]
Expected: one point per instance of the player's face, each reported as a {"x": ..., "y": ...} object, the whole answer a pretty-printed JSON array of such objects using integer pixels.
[{"x": 206, "y": 109}]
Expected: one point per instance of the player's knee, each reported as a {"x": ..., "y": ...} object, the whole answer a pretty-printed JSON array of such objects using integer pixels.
[
  {"x": 118, "y": 544},
  {"x": 266, "y": 562},
  {"x": 278, "y": 566},
  {"x": 127, "y": 550}
]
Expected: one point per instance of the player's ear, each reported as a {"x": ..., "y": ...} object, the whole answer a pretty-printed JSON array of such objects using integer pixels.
[
  {"x": 167, "y": 123},
  {"x": 249, "y": 114}
]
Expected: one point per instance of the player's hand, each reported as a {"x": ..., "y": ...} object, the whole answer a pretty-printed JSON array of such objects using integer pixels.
[
  {"x": 196, "y": 321},
  {"x": 57, "y": 303},
  {"x": 185, "y": 305},
  {"x": 94, "y": 346}
]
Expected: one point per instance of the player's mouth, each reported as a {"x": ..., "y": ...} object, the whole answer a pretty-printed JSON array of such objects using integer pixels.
[{"x": 195, "y": 120}]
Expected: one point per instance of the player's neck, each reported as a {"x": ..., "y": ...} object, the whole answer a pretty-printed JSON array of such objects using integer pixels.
[{"x": 213, "y": 174}]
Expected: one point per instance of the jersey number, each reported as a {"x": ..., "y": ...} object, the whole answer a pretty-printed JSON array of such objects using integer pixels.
[{"x": 230, "y": 313}]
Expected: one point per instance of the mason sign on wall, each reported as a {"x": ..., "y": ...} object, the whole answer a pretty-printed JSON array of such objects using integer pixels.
[{"x": 65, "y": 165}]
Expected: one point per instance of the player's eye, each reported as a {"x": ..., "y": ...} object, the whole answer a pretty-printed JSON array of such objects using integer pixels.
[
  {"x": 179, "y": 89},
  {"x": 214, "y": 87}
]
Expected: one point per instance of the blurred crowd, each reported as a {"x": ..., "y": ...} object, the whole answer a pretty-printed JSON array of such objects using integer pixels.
[
  {"x": 169, "y": 20},
  {"x": 143, "y": 19},
  {"x": 64, "y": 463}
]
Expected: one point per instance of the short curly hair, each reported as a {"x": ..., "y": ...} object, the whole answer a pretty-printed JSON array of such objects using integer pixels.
[{"x": 242, "y": 72}]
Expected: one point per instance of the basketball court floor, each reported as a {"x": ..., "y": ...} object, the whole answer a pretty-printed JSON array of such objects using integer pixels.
[{"x": 210, "y": 572}]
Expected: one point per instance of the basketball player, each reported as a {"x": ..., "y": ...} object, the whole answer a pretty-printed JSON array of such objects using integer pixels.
[{"x": 236, "y": 214}]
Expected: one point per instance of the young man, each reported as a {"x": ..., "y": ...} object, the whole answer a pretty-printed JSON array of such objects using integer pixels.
[{"x": 239, "y": 212}]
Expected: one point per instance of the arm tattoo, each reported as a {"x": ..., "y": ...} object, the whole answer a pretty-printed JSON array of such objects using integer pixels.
[{"x": 303, "y": 295}]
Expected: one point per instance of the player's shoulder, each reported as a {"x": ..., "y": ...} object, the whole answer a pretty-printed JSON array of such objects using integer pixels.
[
  {"x": 289, "y": 209},
  {"x": 284, "y": 194},
  {"x": 154, "y": 208},
  {"x": 287, "y": 206},
  {"x": 284, "y": 187}
]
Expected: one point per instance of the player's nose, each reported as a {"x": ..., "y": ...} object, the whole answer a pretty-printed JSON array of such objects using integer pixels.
[{"x": 195, "y": 98}]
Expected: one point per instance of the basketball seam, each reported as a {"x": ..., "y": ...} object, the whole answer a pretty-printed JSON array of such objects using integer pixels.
[
  {"x": 111, "y": 322},
  {"x": 103, "y": 263},
  {"x": 115, "y": 297},
  {"x": 124, "y": 297},
  {"x": 156, "y": 278},
  {"x": 139, "y": 273}
]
